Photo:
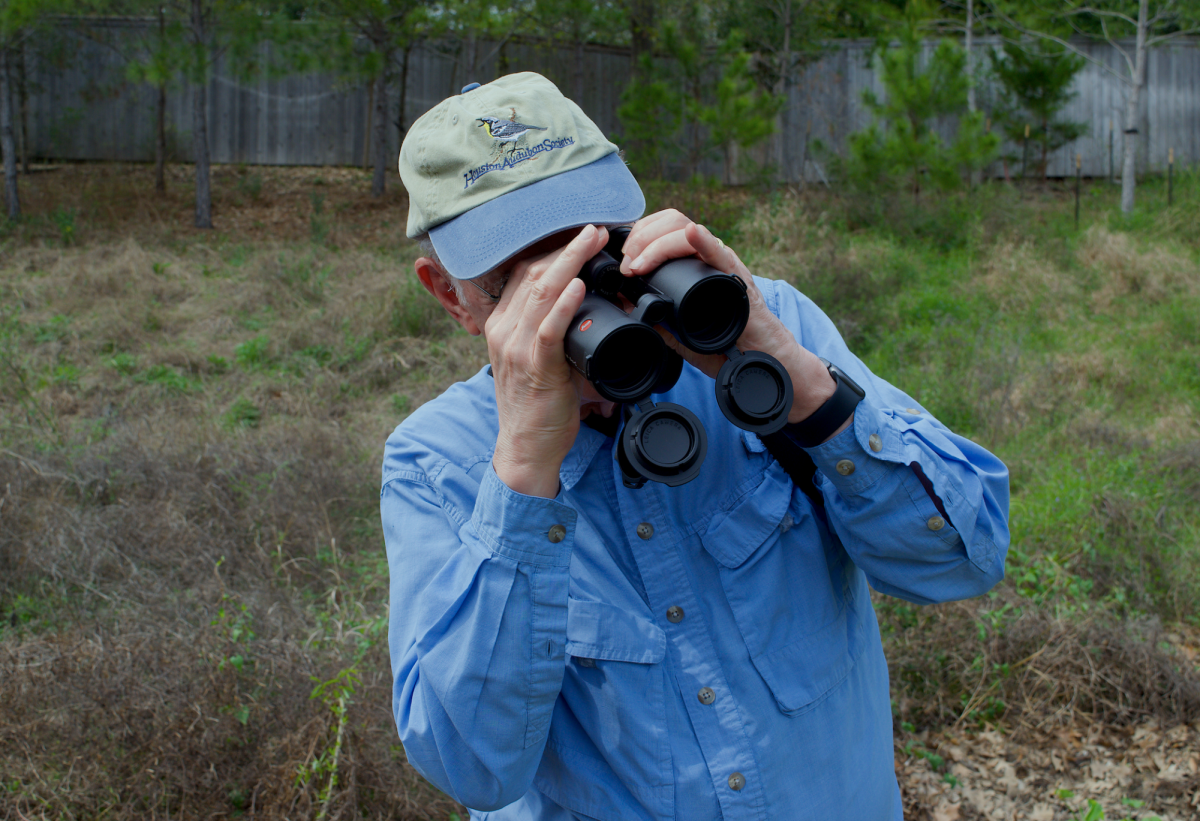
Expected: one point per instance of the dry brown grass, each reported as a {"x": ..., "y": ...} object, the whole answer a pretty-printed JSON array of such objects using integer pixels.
[
  {"x": 1152, "y": 275},
  {"x": 148, "y": 539}
]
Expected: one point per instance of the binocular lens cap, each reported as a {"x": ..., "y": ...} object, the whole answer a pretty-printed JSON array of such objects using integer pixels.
[
  {"x": 754, "y": 392},
  {"x": 665, "y": 443}
]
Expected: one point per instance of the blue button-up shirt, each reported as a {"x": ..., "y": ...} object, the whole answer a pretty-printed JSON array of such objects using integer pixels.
[{"x": 700, "y": 652}]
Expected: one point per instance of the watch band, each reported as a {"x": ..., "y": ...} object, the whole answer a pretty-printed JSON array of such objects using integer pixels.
[{"x": 818, "y": 427}]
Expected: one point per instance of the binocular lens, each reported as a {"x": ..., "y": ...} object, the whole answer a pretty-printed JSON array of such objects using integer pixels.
[
  {"x": 622, "y": 357},
  {"x": 709, "y": 316},
  {"x": 711, "y": 307},
  {"x": 627, "y": 361}
]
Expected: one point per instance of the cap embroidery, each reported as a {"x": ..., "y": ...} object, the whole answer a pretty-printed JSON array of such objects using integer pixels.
[{"x": 510, "y": 131}]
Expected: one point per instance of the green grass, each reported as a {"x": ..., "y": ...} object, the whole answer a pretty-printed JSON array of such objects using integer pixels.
[{"x": 198, "y": 425}]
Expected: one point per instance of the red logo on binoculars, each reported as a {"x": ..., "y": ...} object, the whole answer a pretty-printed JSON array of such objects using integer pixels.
[{"x": 583, "y": 326}]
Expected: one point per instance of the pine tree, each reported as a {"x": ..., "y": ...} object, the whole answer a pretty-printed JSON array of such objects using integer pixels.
[
  {"x": 901, "y": 147},
  {"x": 1036, "y": 83}
]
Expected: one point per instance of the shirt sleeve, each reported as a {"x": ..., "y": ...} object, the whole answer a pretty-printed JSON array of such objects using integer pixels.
[
  {"x": 923, "y": 511},
  {"x": 477, "y": 632}
]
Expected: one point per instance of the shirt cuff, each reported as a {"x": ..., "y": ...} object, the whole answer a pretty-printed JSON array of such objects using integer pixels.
[
  {"x": 862, "y": 454},
  {"x": 523, "y": 528}
]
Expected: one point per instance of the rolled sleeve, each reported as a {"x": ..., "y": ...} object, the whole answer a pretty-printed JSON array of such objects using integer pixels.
[{"x": 529, "y": 529}]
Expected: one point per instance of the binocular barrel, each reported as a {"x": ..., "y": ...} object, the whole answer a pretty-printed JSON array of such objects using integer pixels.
[{"x": 624, "y": 357}]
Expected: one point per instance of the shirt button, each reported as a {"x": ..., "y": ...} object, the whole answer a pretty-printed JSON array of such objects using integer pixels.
[
  {"x": 737, "y": 781},
  {"x": 557, "y": 534},
  {"x": 935, "y": 523},
  {"x": 913, "y": 411},
  {"x": 875, "y": 442},
  {"x": 845, "y": 467},
  {"x": 674, "y": 614},
  {"x": 645, "y": 530},
  {"x": 706, "y": 695}
]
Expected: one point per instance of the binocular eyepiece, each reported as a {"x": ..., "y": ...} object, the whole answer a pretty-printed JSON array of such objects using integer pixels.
[{"x": 613, "y": 343}]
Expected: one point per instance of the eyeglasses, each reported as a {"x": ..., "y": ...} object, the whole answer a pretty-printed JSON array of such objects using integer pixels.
[{"x": 499, "y": 292}]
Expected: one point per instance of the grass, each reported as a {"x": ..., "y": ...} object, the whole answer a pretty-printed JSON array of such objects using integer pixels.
[{"x": 192, "y": 585}]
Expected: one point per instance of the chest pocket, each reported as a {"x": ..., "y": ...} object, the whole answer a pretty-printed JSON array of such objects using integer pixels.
[
  {"x": 792, "y": 589},
  {"x": 608, "y": 756}
]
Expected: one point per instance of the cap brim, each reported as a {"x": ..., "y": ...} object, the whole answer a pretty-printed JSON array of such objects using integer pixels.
[{"x": 600, "y": 193}]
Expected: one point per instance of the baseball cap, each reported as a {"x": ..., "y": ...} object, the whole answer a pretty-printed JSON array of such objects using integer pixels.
[{"x": 500, "y": 166}]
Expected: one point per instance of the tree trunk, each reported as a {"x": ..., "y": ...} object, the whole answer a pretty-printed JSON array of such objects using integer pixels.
[
  {"x": 11, "y": 199},
  {"x": 160, "y": 141},
  {"x": 379, "y": 179},
  {"x": 470, "y": 56},
  {"x": 401, "y": 122},
  {"x": 783, "y": 88},
  {"x": 200, "y": 150},
  {"x": 641, "y": 32},
  {"x": 23, "y": 114},
  {"x": 160, "y": 135},
  {"x": 1132, "y": 99},
  {"x": 968, "y": 45},
  {"x": 579, "y": 69},
  {"x": 200, "y": 125}
]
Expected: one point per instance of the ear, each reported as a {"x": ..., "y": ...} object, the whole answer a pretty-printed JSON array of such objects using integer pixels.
[{"x": 435, "y": 282}]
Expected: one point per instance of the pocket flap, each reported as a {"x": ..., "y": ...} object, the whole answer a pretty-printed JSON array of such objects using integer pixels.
[
  {"x": 602, "y": 631},
  {"x": 739, "y": 530}
]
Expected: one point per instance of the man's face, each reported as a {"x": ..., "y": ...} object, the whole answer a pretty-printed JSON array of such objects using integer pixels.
[{"x": 474, "y": 307}]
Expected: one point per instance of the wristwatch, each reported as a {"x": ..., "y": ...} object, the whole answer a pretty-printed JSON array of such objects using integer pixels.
[{"x": 818, "y": 427}]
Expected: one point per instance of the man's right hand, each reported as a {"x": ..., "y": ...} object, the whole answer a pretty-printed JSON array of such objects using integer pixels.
[{"x": 537, "y": 397}]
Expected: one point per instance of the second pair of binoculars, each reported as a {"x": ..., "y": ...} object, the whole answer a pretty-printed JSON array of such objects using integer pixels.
[{"x": 613, "y": 343}]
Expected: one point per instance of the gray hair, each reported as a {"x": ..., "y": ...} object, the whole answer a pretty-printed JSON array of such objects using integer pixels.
[
  {"x": 456, "y": 284},
  {"x": 490, "y": 281}
]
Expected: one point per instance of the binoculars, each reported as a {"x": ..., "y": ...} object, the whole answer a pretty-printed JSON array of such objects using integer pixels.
[{"x": 613, "y": 343}]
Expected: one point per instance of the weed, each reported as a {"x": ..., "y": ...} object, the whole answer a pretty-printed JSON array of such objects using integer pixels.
[
  {"x": 414, "y": 314},
  {"x": 123, "y": 363},
  {"x": 402, "y": 404},
  {"x": 306, "y": 278},
  {"x": 243, "y": 414},
  {"x": 57, "y": 329},
  {"x": 64, "y": 221},
  {"x": 167, "y": 378},
  {"x": 217, "y": 364},
  {"x": 254, "y": 353},
  {"x": 251, "y": 185},
  {"x": 335, "y": 694},
  {"x": 319, "y": 221}
]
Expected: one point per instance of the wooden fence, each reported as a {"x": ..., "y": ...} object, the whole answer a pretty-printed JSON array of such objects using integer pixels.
[{"x": 84, "y": 108}]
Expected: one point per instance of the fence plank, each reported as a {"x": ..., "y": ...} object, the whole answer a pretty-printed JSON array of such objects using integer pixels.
[{"x": 88, "y": 111}]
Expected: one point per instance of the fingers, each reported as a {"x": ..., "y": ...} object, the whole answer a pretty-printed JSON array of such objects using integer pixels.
[
  {"x": 553, "y": 329},
  {"x": 535, "y": 285},
  {"x": 711, "y": 249},
  {"x": 647, "y": 230}
]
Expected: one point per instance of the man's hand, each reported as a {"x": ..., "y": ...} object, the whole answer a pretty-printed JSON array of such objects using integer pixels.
[
  {"x": 669, "y": 235},
  {"x": 537, "y": 399}
]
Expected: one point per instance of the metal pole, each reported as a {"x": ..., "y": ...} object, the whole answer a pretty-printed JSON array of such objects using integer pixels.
[
  {"x": 1079, "y": 173},
  {"x": 1170, "y": 176}
]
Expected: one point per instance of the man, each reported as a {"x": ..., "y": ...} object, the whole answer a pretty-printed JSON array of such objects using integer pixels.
[{"x": 564, "y": 647}]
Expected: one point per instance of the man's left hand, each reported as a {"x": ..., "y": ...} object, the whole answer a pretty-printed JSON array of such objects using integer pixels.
[{"x": 668, "y": 235}]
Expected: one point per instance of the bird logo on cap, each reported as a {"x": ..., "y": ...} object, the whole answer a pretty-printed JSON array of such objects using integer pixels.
[{"x": 507, "y": 131}]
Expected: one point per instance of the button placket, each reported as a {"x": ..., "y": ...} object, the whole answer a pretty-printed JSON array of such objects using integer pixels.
[{"x": 719, "y": 728}]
